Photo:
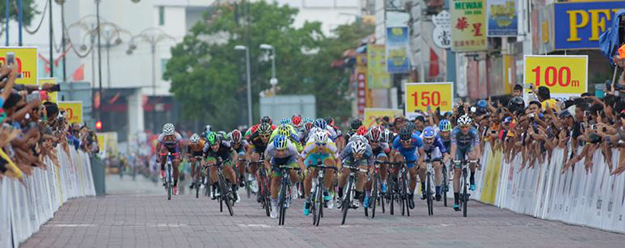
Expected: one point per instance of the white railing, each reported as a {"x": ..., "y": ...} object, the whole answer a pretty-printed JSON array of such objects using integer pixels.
[
  {"x": 24, "y": 207},
  {"x": 594, "y": 199}
]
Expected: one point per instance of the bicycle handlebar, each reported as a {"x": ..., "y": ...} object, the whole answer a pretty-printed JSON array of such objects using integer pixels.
[
  {"x": 353, "y": 168},
  {"x": 323, "y": 167}
]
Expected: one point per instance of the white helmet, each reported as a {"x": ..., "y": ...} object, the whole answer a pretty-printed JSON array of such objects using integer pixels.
[
  {"x": 359, "y": 147},
  {"x": 320, "y": 137},
  {"x": 195, "y": 138},
  {"x": 208, "y": 128},
  {"x": 356, "y": 137},
  {"x": 464, "y": 120},
  {"x": 169, "y": 129}
]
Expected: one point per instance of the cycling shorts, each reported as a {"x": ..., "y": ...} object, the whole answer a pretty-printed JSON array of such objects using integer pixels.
[
  {"x": 313, "y": 158},
  {"x": 411, "y": 157},
  {"x": 435, "y": 154},
  {"x": 462, "y": 153},
  {"x": 276, "y": 162}
]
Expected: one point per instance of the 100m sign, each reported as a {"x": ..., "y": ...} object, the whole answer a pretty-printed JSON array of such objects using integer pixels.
[
  {"x": 563, "y": 75},
  {"x": 552, "y": 76}
]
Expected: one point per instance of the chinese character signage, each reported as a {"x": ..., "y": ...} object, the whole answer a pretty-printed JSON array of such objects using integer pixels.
[
  {"x": 468, "y": 27},
  {"x": 579, "y": 25},
  {"x": 376, "y": 67},
  {"x": 397, "y": 52},
  {"x": 502, "y": 18}
]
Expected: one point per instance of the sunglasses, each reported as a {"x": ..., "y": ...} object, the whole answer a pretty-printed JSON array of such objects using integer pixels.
[
  {"x": 321, "y": 144},
  {"x": 265, "y": 136}
]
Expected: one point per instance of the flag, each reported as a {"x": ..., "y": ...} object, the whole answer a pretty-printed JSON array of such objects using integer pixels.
[{"x": 79, "y": 74}]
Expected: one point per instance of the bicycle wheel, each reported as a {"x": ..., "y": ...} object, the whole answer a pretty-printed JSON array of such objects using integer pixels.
[
  {"x": 445, "y": 185},
  {"x": 374, "y": 196},
  {"x": 282, "y": 197},
  {"x": 428, "y": 194},
  {"x": 404, "y": 194},
  {"x": 226, "y": 194},
  {"x": 347, "y": 199},
  {"x": 197, "y": 182},
  {"x": 318, "y": 204},
  {"x": 247, "y": 184},
  {"x": 465, "y": 197},
  {"x": 168, "y": 184},
  {"x": 392, "y": 192}
]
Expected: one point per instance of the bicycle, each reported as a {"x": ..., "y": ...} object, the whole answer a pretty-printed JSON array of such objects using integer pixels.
[
  {"x": 246, "y": 181},
  {"x": 169, "y": 182},
  {"x": 316, "y": 196},
  {"x": 464, "y": 183},
  {"x": 284, "y": 196},
  {"x": 428, "y": 185},
  {"x": 199, "y": 176},
  {"x": 225, "y": 190},
  {"x": 445, "y": 185},
  {"x": 398, "y": 185},
  {"x": 350, "y": 190},
  {"x": 376, "y": 196},
  {"x": 264, "y": 195}
]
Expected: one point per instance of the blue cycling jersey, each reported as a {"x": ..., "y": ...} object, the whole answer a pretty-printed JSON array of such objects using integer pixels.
[
  {"x": 410, "y": 152},
  {"x": 465, "y": 140},
  {"x": 438, "y": 142}
]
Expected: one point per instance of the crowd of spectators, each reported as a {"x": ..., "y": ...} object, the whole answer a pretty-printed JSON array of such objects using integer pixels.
[{"x": 32, "y": 127}]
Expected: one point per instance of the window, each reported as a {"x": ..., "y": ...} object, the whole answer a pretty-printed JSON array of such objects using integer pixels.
[{"x": 161, "y": 15}]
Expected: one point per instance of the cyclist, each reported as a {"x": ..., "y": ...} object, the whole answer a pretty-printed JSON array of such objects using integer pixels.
[
  {"x": 296, "y": 121},
  {"x": 253, "y": 129},
  {"x": 433, "y": 146},
  {"x": 354, "y": 124},
  {"x": 194, "y": 150},
  {"x": 444, "y": 131},
  {"x": 319, "y": 148},
  {"x": 217, "y": 149},
  {"x": 356, "y": 153},
  {"x": 239, "y": 145},
  {"x": 169, "y": 141},
  {"x": 408, "y": 147},
  {"x": 321, "y": 124},
  {"x": 281, "y": 152},
  {"x": 380, "y": 150},
  {"x": 258, "y": 142},
  {"x": 304, "y": 132},
  {"x": 464, "y": 141}
]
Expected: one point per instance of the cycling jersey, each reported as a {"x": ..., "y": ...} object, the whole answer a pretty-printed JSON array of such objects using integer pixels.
[
  {"x": 253, "y": 130},
  {"x": 171, "y": 142},
  {"x": 239, "y": 148},
  {"x": 347, "y": 156},
  {"x": 224, "y": 152},
  {"x": 410, "y": 152},
  {"x": 313, "y": 152},
  {"x": 381, "y": 150},
  {"x": 464, "y": 140},
  {"x": 257, "y": 144},
  {"x": 196, "y": 149},
  {"x": 436, "y": 149},
  {"x": 293, "y": 137}
]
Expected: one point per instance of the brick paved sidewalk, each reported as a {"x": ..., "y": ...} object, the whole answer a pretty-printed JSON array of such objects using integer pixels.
[{"x": 151, "y": 221}]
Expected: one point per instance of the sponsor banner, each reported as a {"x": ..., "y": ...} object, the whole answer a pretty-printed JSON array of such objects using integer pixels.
[
  {"x": 468, "y": 25},
  {"x": 25, "y": 62},
  {"x": 73, "y": 111},
  {"x": 376, "y": 67},
  {"x": 371, "y": 114},
  {"x": 565, "y": 76},
  {"x": 52, "y": 96},
  {"x": 397, "y": 52},
  {"x": 580, "y": 24},
  {"x": 420, "y": 96},
  {"x": 502, "y": 18}
]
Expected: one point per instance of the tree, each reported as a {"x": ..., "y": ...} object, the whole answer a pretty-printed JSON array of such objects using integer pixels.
[
  {"x": 208, "y": 75},
  {"x": 28, "y": 9}
]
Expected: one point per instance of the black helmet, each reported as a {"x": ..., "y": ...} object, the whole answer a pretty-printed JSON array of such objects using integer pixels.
[
  {"x": 516, "y": 103},
  {"x": 410, "y": 126},
  {"x": 405, "y": 133},
  {"x": 266, "y": 119},
  {"x": 356, "y": 123}
]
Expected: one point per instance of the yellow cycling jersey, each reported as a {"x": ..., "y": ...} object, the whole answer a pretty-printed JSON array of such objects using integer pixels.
[
  {"x": 312, "y": 148},
  {"x": 293, "y": 137}
]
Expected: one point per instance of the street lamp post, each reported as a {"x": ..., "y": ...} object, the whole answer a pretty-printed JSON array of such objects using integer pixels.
[
  {"x": 273, "y": 80},
  {"x": 152, "y": 36},
  {"x": 249, "y": 83}
]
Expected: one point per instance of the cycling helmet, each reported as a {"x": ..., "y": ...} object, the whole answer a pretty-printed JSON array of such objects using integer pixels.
[
  {"x": 320, "y": 137},
  {"x": 235, "y": 136},
  {"x": 374, "y": 135},
  {"x": 516, "y": 103},
  {"x": 308, "y": 119},
  {"x": 321, "y": 123},
  {"x": 356, "y": 123},
  {"x": 357, "y": 137},
  {"x": 308, "y": 126},
  {"x": 405, "y": 133},
  {"x": 169, "y": 129},
  {"x": 285, "y": 121},
  {"x": 444, "y": 125},
  {"x": 211, "y": 137},
  {"x": 387, "y": 135},
  {"x": 464, "y": 120},
  {"x": 283, "y": 130},
  {"x": 264, "y": 128},
  {"x": 222, "y": 134},
  {"x": 280, "y": 142},
  {"x": 208, "y": 128},
  {"x": 410, "y": 125},
  {"x": 362, "y": 130},
  {"x": 296, "y": 120},
  {"x": 330, "y": 121},
  {"x": 359, "y": 147},
  {"x": 195, "y": 138},
  {"x": 266, "y": 119},
  {"x": 429, "y": 133}
]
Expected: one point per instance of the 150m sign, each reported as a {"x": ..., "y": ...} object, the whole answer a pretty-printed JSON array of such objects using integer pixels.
[
  {"x": 421, "y": 95},
  {"x": 564, "y": 75}
]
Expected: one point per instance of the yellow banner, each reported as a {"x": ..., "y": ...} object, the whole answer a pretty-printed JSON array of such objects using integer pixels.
[
  {"x": 372, "y": 113},
  {"x": 421, "y": 95},
  {"x": 52, "y": 96},
  {"x": 25, "y": 62},
  {"x": 468, "y": 25},
  {"x": 491, "y": 178},
  {"x": 564, "y": 75},
  {"x": 73, "y": 111},
  {"x": 376, "y": 67}
]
